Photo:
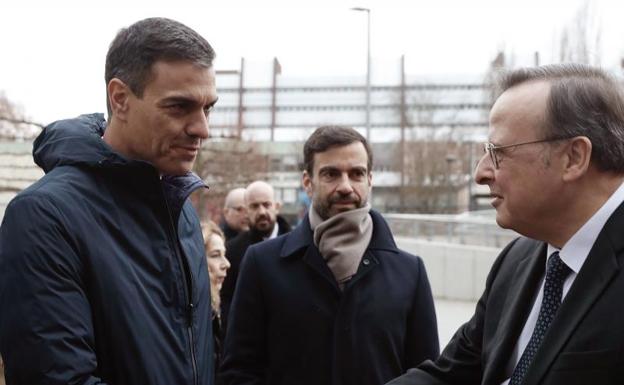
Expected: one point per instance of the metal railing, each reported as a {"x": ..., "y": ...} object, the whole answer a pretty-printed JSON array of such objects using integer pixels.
[{"x": 475, "y": 228}]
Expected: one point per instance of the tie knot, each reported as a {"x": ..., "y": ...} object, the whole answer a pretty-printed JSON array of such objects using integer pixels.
[{"x": 556, "y": 269}]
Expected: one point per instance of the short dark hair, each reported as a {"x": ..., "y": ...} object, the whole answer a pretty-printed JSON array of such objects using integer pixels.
[
  {"x": 326, "y": 137},
  {"x": 136, "y": 48},
  {"x": 583, "y": 101}
]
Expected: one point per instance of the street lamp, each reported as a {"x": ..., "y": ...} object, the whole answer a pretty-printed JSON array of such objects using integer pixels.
[{"x": 368, "y": 70}]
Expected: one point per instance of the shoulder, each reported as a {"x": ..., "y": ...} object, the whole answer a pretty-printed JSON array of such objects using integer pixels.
[
  {"x": 270, "y": 247},
  {"x": 242, "y": 240},
  {"x": 49, "y": 194},
  {"x": 64, "y": 185},
  {"x": 400, "y": 261}
]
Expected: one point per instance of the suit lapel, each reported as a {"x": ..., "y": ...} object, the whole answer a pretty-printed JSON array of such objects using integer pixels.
[
  {"x": 520, "y": 297},
  {"x": 595, "y": 275}
]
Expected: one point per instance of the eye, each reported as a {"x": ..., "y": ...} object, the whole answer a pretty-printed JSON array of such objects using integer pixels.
[
  {"x": 176, "y": 108},
  {"x": 359, "y": 173},
  {"x": 208, "y": 109}
]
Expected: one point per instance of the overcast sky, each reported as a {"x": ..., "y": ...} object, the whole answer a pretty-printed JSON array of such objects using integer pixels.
[{"x": 52, "y": 59}]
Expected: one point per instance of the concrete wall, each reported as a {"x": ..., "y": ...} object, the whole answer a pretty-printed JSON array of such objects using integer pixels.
[{"x": 456, "y": 272}]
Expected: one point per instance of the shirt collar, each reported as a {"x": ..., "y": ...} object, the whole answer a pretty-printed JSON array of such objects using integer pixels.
[
  {"x": 274, "y": 232},
  {"x": 575, "y": 251}
]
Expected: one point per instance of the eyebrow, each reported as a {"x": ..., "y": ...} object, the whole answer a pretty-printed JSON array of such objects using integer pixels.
[
  {"x": 334, "y": 168},
  {"x": 185, "y": 100}
]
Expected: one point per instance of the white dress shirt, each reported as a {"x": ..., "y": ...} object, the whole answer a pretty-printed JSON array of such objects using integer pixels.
[
  {"x": 573, "y": 254},
  {"x": 274, "y": 232}
]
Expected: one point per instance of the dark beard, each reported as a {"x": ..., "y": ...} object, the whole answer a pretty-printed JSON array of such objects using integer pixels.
[
  {"x": 323, "y": 207},
  {"x": 264, "y": 233}
]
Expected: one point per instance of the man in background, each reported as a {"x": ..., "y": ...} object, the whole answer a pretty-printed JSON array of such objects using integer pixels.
[
  {"x": 235, "y": 219},
  {"x": 264, "y": 223},
  {"x": 334, "y": 301}
]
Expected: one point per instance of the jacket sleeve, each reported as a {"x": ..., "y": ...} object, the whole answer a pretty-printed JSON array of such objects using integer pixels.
[
  {"x": 422, "y": 333},
  {"x": 46, "y": 330},
  {"x": 461, "y": 361},
  {"x": 245, "y": 356}
]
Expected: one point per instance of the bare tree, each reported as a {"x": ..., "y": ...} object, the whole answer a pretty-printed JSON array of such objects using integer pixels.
[
  {"x": 13, "y": 123},
  {"x": 580, "y": 40},
  {"x": 436, "y": 161},
  {"x": 225, "y": 164}
]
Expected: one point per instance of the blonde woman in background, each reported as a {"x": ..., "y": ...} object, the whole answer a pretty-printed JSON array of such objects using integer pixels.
[{"x": 214, "y": 242}]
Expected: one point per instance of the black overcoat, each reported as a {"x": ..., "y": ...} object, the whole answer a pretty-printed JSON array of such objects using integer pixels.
[{"x": 291, "y": 324}]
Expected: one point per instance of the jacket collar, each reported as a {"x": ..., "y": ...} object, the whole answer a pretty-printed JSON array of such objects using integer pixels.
[
  {"x": 79, "y": 141},
  {"x": 302, "y": 237}
]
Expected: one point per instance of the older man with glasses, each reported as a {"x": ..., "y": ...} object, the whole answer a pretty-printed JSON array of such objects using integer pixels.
[
  {"x": 235, "y": 220},
  {"x": 552, "y": 309}
]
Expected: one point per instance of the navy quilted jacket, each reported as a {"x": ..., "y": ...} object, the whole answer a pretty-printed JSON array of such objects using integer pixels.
[{"x": 103, "y": 278}]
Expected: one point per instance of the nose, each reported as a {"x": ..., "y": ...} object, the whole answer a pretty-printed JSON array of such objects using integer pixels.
[
  {"x": 484, "y": 172},
  {"x": 225, "y": 263},
  {"x": 199, "y": 127},
  {"x": 344, "y": 185}
]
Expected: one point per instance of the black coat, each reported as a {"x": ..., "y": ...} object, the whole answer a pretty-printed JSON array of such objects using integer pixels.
[
  {"x": 103, "y": 274},
  {"x": 234, "y": 251},
  {"x": 584, "y": 343},
  {"x": 290, "y": 324},
  {"x": 229, "y": 232}
]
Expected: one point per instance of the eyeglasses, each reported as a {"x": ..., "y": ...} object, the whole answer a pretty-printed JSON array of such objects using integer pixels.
[
  {"x": 493, "y": 150},
  {"x": 238, "y": 209}
]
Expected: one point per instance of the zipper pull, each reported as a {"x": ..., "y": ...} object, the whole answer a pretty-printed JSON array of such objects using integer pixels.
[{"x": 190, "y": 310}]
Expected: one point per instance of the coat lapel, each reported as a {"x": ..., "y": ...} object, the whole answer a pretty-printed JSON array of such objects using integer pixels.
[
  {"x": 313, "y": 259},
  {"x": 597, "y": 272},
  {"x": 515, "y": 311}
]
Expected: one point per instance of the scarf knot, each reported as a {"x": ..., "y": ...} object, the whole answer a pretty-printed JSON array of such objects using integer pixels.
[{"x": 342, "y": 240}]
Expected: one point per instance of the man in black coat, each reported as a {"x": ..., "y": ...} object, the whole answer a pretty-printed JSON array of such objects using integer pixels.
[
  {"x": 264, "y": 223},
  {"x": 552, "y": 310},
  {"x": 333, "y": 302}
]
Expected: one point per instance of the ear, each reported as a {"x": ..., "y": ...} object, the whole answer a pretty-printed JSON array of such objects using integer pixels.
[
  {"x": 307, "y": 183},
  {"x": 278, "y": 206},
  {"x": 577, "y": 158},
  {"x": 118, "y": 95},
  {"x": 370, "y": 180}
]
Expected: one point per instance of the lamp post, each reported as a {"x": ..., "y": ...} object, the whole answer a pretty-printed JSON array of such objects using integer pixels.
[{"x": 368, "y": 69}]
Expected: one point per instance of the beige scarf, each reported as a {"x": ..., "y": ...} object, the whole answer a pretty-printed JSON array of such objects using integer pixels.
[{"x": 342, "y": 240}]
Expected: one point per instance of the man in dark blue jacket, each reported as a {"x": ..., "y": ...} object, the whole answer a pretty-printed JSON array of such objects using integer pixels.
[
  {"x": 103, "y": 278},
  {"x": 333, "y": 302}
]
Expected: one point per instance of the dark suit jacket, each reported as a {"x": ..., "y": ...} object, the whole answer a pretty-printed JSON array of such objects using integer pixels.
[
  {"x": 234, "y": 251},
  {"x": 290, "y": 324},
  {"x": 585, "y": 342}
]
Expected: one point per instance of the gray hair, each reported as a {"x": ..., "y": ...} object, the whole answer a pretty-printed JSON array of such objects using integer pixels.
[{"x": 583, "y": 101}]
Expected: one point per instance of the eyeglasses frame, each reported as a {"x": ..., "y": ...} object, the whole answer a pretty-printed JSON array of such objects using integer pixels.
[{"x": 491, "y": 148}]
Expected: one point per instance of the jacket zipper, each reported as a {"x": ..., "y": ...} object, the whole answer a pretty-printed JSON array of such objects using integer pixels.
[{"x": 188, "y": 281}]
